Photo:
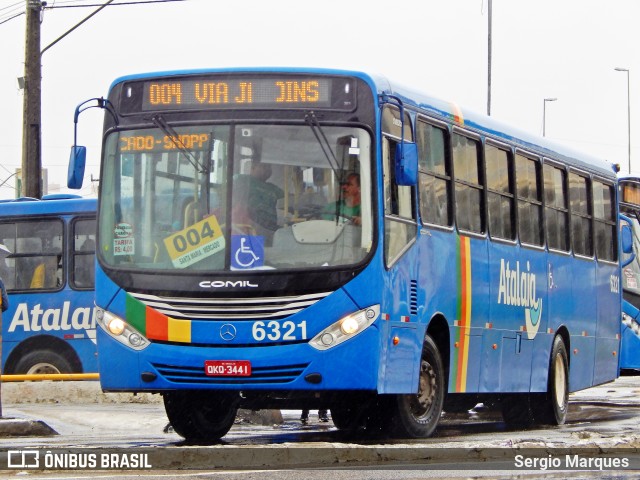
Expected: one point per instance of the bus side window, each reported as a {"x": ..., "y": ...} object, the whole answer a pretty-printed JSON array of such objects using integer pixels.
[
  {"x": 434, "y": 174},
  {"x": 500, "y": 191},
  {"x": 605, "y": 223},
  {"x": 84, "y": 247},
  {"x": 469, "y": 188},
  {"x": 529, "y": 193},
  {"x": 7, "y": 262},
  {"x": 581, "y": 229},
  {"x": 38, "y": 254},
  {"x": 400, "y": 217},
  {"x": 556, "y": 208}
]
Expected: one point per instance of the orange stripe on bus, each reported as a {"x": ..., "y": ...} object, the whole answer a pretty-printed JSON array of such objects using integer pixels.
[
  {"x": 465, "y": 316},
  {"x": 157, "y": 325}
]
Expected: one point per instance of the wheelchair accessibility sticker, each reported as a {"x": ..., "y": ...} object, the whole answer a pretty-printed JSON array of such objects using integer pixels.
[
  {"x": 195, "y": 243},
  {"x": 247, "y": 251}
]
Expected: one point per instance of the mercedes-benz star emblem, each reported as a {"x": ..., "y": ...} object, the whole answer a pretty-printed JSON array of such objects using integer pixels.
[{"x": 228, "y": 332}]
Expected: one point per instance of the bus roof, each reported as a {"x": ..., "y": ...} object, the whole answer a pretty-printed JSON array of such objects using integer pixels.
[
  {"x": 445, "y": 110},
  {"x": 493, "y": 128},
  {"x": 57, "y": 204}
]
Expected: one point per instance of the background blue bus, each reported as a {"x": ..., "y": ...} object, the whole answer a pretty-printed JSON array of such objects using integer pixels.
[
  {"x": 629, "y": 195},
  {"x": 481, "y": 265},
  {"x": 47, "y": 264}
]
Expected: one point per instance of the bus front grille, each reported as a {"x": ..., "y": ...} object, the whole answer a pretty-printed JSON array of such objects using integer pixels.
[
  {"x": 259, "y": 375},
  {"x": 229, "y": 308}
]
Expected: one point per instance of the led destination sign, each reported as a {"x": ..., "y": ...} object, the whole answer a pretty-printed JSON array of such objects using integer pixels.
[
  {"x": 238, "y": 92},
  {"x": 156, "y": 142}
]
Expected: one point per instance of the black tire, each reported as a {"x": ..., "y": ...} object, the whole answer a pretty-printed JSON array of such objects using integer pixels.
[
  {"x": 551, "y": 408},
  {"x": 417, "y": 415},
  {"x": 201, "y": 416},
  {"x": 459, "y": 403},
  {"x": 366, "y": 414},
  {"x": 517, "y": 410},
  {"x": 41, "y": 362},
  {"x": 346, "y": 418}
]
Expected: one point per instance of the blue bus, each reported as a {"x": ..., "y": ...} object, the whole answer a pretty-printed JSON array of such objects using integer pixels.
[
  {"x": 47, "y": 251},
  {"x": 302, "y": 238},
  {"x": 629, "y": 197}
]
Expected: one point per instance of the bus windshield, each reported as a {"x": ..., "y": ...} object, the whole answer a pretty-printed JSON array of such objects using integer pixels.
[{"x": 236, "y": 197}]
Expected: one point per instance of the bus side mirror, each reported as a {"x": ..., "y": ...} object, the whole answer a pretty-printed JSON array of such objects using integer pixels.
[
  {"x": 77, "y": 160},
  {"x": 407, "y": 164},
  {"x": 626, "y": 241}
]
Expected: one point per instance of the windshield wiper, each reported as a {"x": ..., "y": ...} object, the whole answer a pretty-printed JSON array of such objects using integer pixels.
[{"x": 162, "y": 124}]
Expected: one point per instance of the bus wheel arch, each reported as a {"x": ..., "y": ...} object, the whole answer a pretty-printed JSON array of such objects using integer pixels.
[
  {"x": 43, "y": 354},
  {"x": 438, "y": 330}
]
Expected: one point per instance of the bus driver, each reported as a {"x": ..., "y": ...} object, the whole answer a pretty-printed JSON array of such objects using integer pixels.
[{"x": 348, "y": 205}]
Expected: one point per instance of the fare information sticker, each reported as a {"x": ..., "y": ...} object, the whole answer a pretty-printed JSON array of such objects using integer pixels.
[
  {"x": 124, "y": 241},
  {"x": 195, "y": 243}
]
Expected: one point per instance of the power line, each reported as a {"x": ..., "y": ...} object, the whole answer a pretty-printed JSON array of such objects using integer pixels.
[
  {"x": 8, "y": 15},
  {"x": 113, "y": 4}
]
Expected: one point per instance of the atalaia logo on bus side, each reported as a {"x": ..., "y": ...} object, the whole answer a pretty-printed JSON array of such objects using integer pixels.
[
  {"x": 53, "y": 319},
  {"x": 518, "y": 289}
]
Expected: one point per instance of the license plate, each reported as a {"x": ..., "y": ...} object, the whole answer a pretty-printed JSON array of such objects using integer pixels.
[{"x": 227, "y": 368}]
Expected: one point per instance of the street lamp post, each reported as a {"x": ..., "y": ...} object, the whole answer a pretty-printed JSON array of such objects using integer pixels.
[
  {"x": 544, "y": 113},
  {"x": 618, "y": 69}
]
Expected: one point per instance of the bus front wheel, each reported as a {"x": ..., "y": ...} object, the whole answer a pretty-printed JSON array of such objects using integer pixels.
[
  {"x": 42, "y": 362},
  {"x": 201, "y": 415},
  {"x": 417, "y": 415}
]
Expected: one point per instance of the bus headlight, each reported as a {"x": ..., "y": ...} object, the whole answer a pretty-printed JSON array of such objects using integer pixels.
[
  {"x": 120, "y": 330},
  {"x": 345, "y": 328}
]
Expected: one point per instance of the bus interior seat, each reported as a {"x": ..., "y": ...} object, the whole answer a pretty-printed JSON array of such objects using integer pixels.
[
  {"x": 190, "y": 213},
  {"x": 38, "y": 277}
]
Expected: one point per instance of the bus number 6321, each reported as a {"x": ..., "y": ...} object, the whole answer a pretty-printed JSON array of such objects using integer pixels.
[{"x": 275, "y": 331}]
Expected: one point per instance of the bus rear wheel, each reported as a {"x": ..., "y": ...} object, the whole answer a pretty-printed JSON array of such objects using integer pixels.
[
  {"x": 551, "y": 408},
  {"x": 41, "y": 362},
  {"x": 201, "y": 416},
  {"x": 417, "y": 415}
]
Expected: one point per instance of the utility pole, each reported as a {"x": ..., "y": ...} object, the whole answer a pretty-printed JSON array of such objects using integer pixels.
[
  {"x": 489, "y": 28},
  {"x": 31, "y": 129}
]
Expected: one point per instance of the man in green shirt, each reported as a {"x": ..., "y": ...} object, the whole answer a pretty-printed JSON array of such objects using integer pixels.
[{"x": 348, "y": 205}]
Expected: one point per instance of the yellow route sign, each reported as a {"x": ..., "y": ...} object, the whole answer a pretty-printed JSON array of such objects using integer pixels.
[{"x": 195, "y": 243}]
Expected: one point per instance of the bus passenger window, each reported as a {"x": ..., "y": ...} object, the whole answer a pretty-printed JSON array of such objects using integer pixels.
[
  {"x": 500, "y": 197},
  {"x": 556, "y": 208},
  {"x": 468, "y": 190},
  {"x": 435, "y": 176},
  {"x": 581, "y": 229},
  {"x": 529, "y": 191},
  {"x": 605, "y": 224},
  {"x": 84, "y": 247},
  {"x": 36, "y": 247}
]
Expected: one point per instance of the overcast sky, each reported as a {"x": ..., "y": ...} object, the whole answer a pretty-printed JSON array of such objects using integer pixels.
[{"x": 564, "y": 49}]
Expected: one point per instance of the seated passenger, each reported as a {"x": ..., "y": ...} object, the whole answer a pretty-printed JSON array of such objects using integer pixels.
[{"x": 255, "y": 200}]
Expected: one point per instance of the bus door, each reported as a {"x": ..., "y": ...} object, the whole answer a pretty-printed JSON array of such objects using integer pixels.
[
  {"x": 518, "y": 269},
  {"x": 468, "y": 252},
  {"x": 607, "y": 282},
  {"x": 580, "y": 315},
  {"x": 401, "y": 295},
  {"x": 558, "y": 277}
]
